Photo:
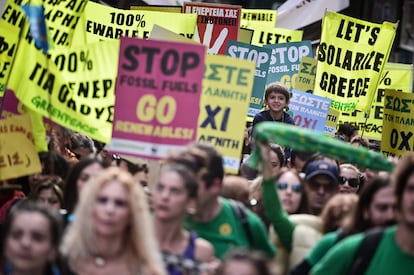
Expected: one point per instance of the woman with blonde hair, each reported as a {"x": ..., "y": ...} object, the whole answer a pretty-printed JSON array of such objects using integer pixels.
[
  {"x": 112, "y": 230},
  {"x": 351, "y": 178}
]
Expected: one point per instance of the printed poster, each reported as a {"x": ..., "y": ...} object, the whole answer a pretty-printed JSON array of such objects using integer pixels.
[
  {"x": 18, "y": 154},
  {"x": 262, "y": 57},
  {"x": 227, "y": 87},
  {"x": 158, "y": 91},
  {"x": 216, "y": 24}
]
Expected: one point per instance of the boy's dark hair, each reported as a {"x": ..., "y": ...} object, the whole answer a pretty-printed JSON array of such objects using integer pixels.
[{"x": 277, "y": 87}]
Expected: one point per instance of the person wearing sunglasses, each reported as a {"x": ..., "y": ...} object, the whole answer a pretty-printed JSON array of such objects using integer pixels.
[
  {"x": 289, "y": 188},
  {"x": 350, "y": 179},
  {"x": 284, "y": 194},
  {"x": 321, "y": 183}
]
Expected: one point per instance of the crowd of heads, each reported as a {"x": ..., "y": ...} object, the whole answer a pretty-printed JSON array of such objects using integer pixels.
[{"x": 107, "y": 199}]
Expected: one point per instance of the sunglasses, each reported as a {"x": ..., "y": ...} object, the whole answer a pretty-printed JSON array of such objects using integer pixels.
[
  {"x": 296, "y": 187},
  {"x": 353, "y": 182}
]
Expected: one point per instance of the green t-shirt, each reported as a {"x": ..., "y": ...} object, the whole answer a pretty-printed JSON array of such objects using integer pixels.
[
  {"x": 322, "y": 247},
  {"x": 388, "y": 258},
  {"x": 226, "y": 231}
]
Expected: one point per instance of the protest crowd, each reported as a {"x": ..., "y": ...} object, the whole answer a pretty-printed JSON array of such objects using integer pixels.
[{"x": 254, "y": 181}]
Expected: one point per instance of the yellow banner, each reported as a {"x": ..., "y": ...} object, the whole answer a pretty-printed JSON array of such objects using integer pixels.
[
  {"x": 253, "y": 17},
  {"x": 398, "y": 123},
  {"x": 75, "y": 88},
  {"x": 305, "y": 78},
  {"x": 8, "y": 44},
  {"x": 18, "y": 155},
  {"x": 351, "y": 56},
  {"x": 227, "y": 87},
  {"x": 264, "y": 35},
  {"x": 103, "y": 22},
  {"x": 61, "y": 18},
  {"x": 395, "y": 77}
]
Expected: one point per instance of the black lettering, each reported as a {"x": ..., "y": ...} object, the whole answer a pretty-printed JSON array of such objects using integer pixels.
[
  {"x": 129, "y": 55},
  {"x": 321, "y": 52},
  {"x": 374, "y": 35}
]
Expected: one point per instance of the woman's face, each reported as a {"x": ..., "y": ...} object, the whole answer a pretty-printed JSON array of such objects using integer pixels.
[
  {"x": 239, "y": 267},
  {"x": 49, "y": 198},
  {"x": 350, "y": 179},
  {"x": 88, "y": 172},
  {"x": 170, "y": 196},
  {"x": 111, "y": 211},
  {"x": 28, "y": 245},
  {"x": 290, "y": 191}
]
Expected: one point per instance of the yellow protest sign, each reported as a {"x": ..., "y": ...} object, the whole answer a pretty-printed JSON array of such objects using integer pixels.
[
  {"x": 331, "y": 122},
  {"x": 8, "y": 44},
  {"x": 305, "y": 79},
  {"x": 61, "y": 18},
  {"x": 398, "y": 123},
  {"x": 227, "y": 87},
  {"x": 75, "y": 88},
  {"x": 253, "y": 17},
  {"x": 394, "y": 76},
  {"x": 103, "y": 22},
  {"x": 351, "y": 56},
  {"x": 264, "y": 35},
  {"x": 18, "y": 155}
]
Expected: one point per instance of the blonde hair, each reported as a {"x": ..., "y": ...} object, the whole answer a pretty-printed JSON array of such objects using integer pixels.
[{"x": 79, "y": 241}]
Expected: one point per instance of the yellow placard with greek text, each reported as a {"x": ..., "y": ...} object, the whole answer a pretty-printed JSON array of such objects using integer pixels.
[
  {"x": 394, "y": 76},
  {"x": 264, "y": 35},
  {"x": 351, "y": 56},
  {"x": 103, "y": 22},
  {"x": 61, "y": 19},
  {"x": 254, "y": 17},
  {"x": 18, "y": 154},
  {"x": 398, "y": 123},
  {"x": 331, "y": 122},
  {"x": 8, "y": 44},
  {"x": 305, "y": 79},
  {"x": 75, "y": 88},
  {"x": 227, "y": 87}
]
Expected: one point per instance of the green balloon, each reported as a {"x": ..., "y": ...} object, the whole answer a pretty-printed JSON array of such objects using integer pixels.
[{"x": 311, "y": 141}]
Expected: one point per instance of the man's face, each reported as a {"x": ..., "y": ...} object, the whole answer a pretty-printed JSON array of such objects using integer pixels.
[
  {"x": 381, "y": 210},
  {"x": 407, "y": 203},
  {"x": 205, "y": 194},
  {"x": 319, "y": 189}
]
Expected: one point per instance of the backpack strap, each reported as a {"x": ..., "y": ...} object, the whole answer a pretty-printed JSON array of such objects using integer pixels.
[
  {"x": 241, "y": 214},
  {"x": 366, "y": 251}
]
